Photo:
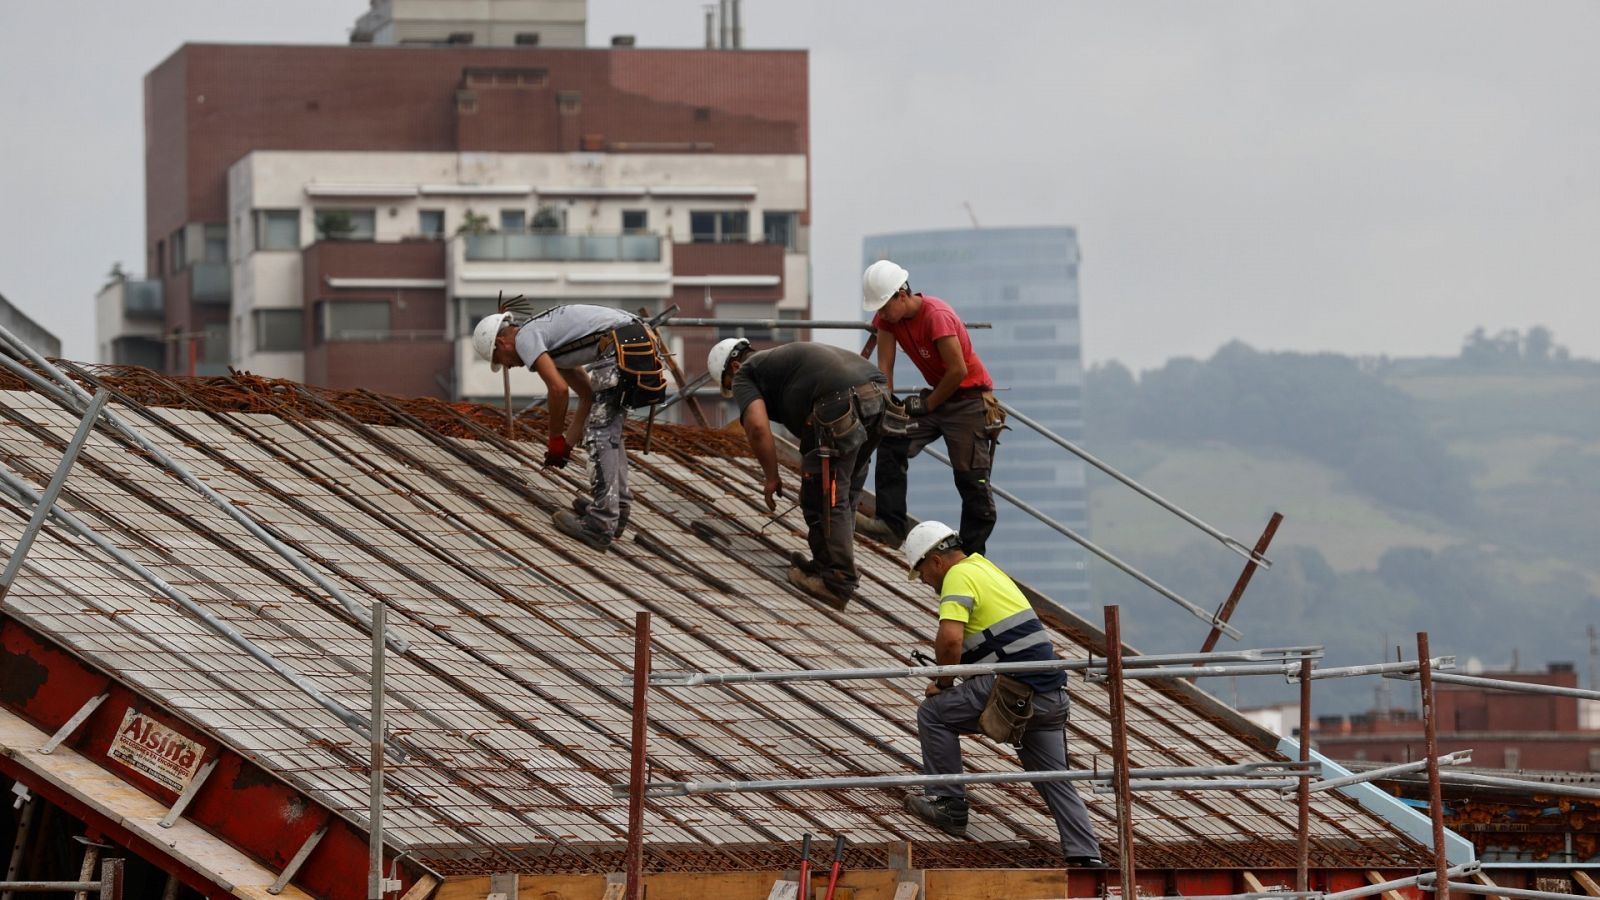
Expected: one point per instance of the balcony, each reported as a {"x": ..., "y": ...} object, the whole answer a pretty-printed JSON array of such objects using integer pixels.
[
  {"x": 143, "y": 300},
  {"x": 563, "y": 247},
  {"x": 210, "y": 283}
]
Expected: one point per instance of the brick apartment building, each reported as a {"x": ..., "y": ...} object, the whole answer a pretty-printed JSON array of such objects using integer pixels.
[
  {"x": 1503, "y": 730},
  {"x": 343, "y": 215}
]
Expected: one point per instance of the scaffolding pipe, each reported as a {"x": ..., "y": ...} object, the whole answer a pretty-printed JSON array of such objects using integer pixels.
[
  {"x": 1104, "y": 554},
  {"x": 1285, "y": 669},
  {"x": 1396, "y": 884},
  {"x": 41, "y": 510},
  {"x": 1430, "y": 731},
  {"x": 698, "y": 679},
  {"x": 1302, "y": 832},
  {"x": 1516, "y": 686},
  {"x": 1159, "y": 500},
  {"x": 778, "y": 324},
  {"x": 1458, "y": 758},
  {"x": 1119, "y": 753},
  {"x": 21, "y": 489},
  {"x": 1467, "y": 887},
  {"x": 1385, "y": 669},
  {"x": 1523, "y": 784},
  {"x": 1181, "y": 784},
  {"x": 1265, "y": 772},
  {"x": 80, "y": 402}
]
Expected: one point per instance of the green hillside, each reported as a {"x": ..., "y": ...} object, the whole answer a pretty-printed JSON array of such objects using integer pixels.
[{"x": 1491, "y": 543}]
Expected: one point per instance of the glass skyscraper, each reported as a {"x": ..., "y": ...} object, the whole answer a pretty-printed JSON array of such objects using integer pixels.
[{"x": 1024, "y": 281}]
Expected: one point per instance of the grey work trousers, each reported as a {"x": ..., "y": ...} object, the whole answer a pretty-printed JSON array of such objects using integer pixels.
[
  {"x": 833, "y": 547},
  {"x": 944, "y": 717},
  {"x": 609, "y": 497}
]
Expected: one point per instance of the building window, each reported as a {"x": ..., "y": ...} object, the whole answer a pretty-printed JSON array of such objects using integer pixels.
[
  {"x": 1010, "y": 292},
  {"x": 431, "y": 223},
  {"x": 719, "y": 227},
  {"x": 354, "y": 320},
  {"x": 635, "y": 221},
  {"x": 179, "y": 257},
  {"x": 347, "y": 225},
  {"x": 789, "y": 335},
  {"x": 1594, "y": 760},
  {"x": 568, "y": 103},
  {"x": 459, "y": 37},
  {"x": 216, "y": 243},
  {"x": 782, "y": 228},
  {"x": 277, "y": 229},
  {"x": 279, "y": 330},
  {"x": 160, "y": 266},
  {"x": 1512, "y": 759},
  {"x": 513, "y": 221},
  {"x": 550, "y": 220},
  {"x": 527, "y": 39}
]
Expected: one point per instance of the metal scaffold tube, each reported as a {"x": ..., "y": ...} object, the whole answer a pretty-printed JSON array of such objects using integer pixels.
[
  {"x": 698, "y": 679},
  {"x": 1244, "y": 776},
  {"x": 1458, "y": 758},
  {"x": 1384, "y": 887},
  {"x": 1521, "y": 687},
  {"x": 79, "y": 401},
  {"x": 1164, "y": 503},
  {"x": 1210, "y": 619}
]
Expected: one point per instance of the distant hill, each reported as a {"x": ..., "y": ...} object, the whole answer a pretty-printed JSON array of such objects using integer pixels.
[{"x": 1457, "y": 496}]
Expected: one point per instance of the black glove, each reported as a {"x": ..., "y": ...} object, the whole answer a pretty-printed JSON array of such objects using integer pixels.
[{"x": 917, "y": 404}]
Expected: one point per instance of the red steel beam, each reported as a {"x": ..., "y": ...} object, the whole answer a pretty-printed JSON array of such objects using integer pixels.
[{"x": 1250, "y": 567}]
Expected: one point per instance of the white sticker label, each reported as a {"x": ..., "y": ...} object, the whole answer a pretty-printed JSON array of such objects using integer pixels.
[{"x": 156, "y": 751}]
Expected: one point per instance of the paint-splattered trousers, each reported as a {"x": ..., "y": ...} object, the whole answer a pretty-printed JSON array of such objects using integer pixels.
[
  {"x": 609, "y": 497},
  {"x": 954, "y": 711}
]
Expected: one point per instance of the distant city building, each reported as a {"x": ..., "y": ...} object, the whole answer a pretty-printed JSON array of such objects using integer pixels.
[
  {"x": 484, "y": 23},
  {"x": 343, "y": 215},
  {"x": 31, "y": 332},
  {"x": 1024, "y": 281},
  {"x": 1504, "y": 730}
]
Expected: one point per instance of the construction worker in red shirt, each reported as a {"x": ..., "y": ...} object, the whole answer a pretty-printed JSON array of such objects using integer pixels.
[{"x": 959, "y": 405}]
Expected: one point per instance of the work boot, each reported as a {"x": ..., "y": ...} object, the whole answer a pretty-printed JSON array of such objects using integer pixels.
[
  {"x": 948, "y": 814},
  {"x": 877, "y": 529},
  {"x": 1085, "y": 862},
  {"x": 804, "y": 563},
  {"x": 580, "y": 507},
  {"x": 572, "y": 526},
  {"x": 816, "y": 587}
]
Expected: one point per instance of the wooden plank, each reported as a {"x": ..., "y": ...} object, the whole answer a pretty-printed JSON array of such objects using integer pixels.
[
  {"x": 1585, "y": 882},
  {"x": 422, "y": 889},
  {"x": 1375, "y": 878},
  {"x": 905, "y": 890},
  {"x": 615, "y": 890},
  {"x": 1486, "y": 881},
  {"x": 784, "y": 890},
  {"x": 1252, "y": 884},
  {"x": 996, "y": 884}
]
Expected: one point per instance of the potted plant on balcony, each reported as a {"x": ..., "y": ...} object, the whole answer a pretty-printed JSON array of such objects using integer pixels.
[
  {"x": 547, "y": 220},
  {"x": 335, "y": 225},
  {"x": 474, "y": 224}
]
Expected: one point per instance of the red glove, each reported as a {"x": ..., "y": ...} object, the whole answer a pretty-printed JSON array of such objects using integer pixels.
[{"x": 558, "y": 452}]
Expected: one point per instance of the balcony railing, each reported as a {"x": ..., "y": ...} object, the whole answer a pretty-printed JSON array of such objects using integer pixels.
[
  {"x": 210, "y": 282},
  {"x": 142, "y": 300},
  {"x": 564, "y": 247}
]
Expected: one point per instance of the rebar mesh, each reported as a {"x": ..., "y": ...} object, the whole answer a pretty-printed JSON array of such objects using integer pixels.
[{"x": 514, "y": 702}]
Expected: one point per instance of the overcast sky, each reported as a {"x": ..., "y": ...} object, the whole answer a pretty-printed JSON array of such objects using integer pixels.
[{"x": 1363, "y": 177}]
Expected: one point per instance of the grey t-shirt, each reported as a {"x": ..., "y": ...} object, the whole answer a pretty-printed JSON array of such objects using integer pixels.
[
  {"x": 552, "y": 330},
  {"x": 792, "y": 378}
]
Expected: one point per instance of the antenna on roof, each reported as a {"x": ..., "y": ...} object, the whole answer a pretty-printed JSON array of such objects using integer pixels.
[{"x": 970, "y": 214}]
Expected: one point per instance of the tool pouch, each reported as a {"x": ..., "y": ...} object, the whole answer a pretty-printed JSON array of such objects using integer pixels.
[
  {"x": 837, "y": 423},
  {"x": 896, "y": 420},
  {"x": 1006, "y": 715},
  {"x": 639, "y": 365},
  {"x": 994, "y": 416}
]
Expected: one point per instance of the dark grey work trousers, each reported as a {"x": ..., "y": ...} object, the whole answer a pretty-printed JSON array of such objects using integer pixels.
[
  {"x": 962, "y": 422},
  {"x": 944, "y": 717},
  {"x": 833, "y": 548}
]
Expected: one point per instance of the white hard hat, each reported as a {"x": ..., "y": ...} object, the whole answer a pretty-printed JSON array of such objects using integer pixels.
[
  {"x": 483, "y": 337},
  {"x": 879, "y": 282},
  {"x": 924, "y": 539},
  {"x": 717, "y": 360}
]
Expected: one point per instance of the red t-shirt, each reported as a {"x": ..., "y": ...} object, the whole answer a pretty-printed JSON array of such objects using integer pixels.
[{"x": 916, "y": 336}]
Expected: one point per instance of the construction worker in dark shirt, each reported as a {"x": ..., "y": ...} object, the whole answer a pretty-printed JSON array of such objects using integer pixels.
[
  {"x": 959, "y": 405},
  {"x": 833, "y": 401}
]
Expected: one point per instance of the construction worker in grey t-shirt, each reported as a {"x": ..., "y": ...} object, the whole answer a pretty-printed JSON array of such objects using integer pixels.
[
  {"x": 578, "y": 346},
  {"x": 833, "y": 402}
]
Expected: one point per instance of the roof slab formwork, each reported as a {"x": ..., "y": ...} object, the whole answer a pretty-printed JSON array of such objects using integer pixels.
[{"x": 512, "y": 701}]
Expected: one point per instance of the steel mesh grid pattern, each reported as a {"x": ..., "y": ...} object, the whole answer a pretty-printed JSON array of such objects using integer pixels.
[{"x": 514, "y": 700}]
